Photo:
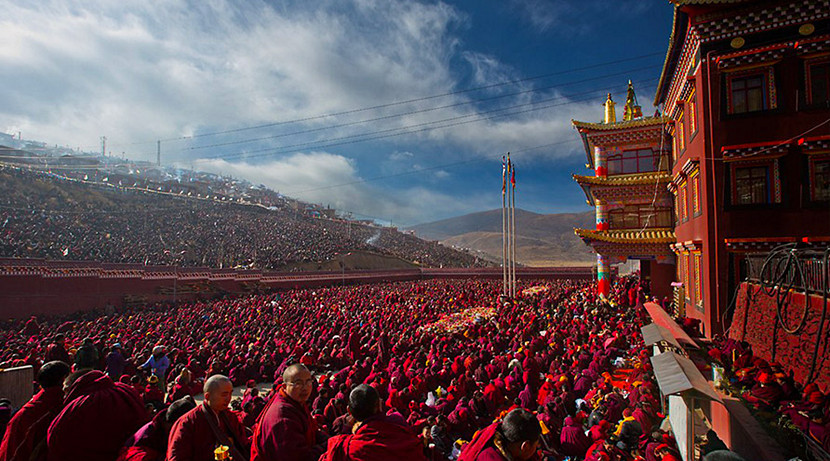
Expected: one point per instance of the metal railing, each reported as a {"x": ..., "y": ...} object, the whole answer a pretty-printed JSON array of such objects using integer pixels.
[{"x": 802, "y": 269}]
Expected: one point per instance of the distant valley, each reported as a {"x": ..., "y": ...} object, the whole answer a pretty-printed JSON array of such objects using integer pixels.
[{"x": 541, "y": 239}]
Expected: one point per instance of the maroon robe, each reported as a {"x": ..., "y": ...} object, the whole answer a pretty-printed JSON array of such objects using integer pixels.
[
  {"x": 149, "y": 443},
  {"x": 192, "y": 439},
  {"x": 27, "y": 428},
  {"x": 573, "y": 439},
  {"x": 98, "y": 418},
  {"x": 379, "y": 438},
  {"x": 285, "y": 431},
  {"x": 481, "y": 443}
]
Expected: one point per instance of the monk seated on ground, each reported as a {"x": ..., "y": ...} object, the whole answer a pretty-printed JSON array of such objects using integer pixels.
[
  {"x": 767, "y": 394},
  {"x": 286, "y": 430},
  {"x": 514, "y": 438},
  {"x": 149, "y": 443},
  {"x": 198, "y": 432},
  {"x": 98, "y": 417},
  {"x": 26, "y": 431},
  {"x": 376, "y": 436}
]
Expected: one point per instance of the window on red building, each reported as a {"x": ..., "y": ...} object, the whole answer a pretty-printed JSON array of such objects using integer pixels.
[
  {"x": 696, "y": 209},
  {"x": 634, "y": 161},
  {"x": 698, "y": 282},
  {"x": 674, "y": 152},
  {"x": 692, "y": 110},
  {"x": 681, "y": 133},
  {"x": 676, "y": 207},
  {"x": 639, "y": 217},
  {"x": 687, "y": 279},
  {"x": 751, "y": 185},
  {"x": 747, "y": 93},
  {"x": 820, "y": 179},
  {"x": 684, "y": 211},
  {"x": 818, "y": 81}
]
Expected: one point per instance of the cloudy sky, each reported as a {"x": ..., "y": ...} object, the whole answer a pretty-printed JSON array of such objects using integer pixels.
[{"x": 395, "y": 110}]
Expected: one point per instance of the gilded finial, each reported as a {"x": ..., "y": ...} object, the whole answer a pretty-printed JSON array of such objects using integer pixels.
[
  {"x": 632, "y": 109},
  {"x": 610, "y": 114}
]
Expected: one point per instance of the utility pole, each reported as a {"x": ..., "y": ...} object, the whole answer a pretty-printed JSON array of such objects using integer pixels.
[{"x": 158, "y": 152}]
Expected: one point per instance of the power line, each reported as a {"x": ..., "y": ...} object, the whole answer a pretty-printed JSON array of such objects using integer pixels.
[
  {"x": 418, "y": 111},
  {"x": 396, "y": 103},
  {"x": 431, "y": 168},
  {"x": 388, "y": 133}
]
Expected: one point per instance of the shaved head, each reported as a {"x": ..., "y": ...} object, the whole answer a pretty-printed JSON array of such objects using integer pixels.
[
  {"x": 293, "y": 371},
  {"x": 215, "y": 382},
  {"x": 218, "y": 392},
  {"x": 298, "y": 382}
]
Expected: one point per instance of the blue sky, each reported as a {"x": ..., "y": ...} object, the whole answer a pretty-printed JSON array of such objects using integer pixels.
[{"x": 395, "y": 110}]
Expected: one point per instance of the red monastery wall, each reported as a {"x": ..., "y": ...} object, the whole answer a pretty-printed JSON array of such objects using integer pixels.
[
  {"x": 755, "y": 321},
  {"x": 33, "y": 287}
]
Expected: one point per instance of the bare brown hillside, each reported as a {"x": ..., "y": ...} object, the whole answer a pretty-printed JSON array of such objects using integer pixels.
[{"x": 542, "y": 239}]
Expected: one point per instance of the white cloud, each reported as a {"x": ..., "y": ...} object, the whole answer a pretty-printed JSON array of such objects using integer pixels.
[
  {"x": 329, "y": 179},
  {"x": 541, "y": 14},
  {"x": 143, "y": 70},
  {"x": 139, "y": 71},
  {"x": 136, "y": 71}
]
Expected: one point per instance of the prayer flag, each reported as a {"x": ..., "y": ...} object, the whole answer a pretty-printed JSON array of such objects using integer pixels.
[{"x": 503, "y": 176}]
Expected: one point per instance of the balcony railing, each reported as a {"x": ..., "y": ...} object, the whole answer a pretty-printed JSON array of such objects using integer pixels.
[{"x": 788, "y": 267}]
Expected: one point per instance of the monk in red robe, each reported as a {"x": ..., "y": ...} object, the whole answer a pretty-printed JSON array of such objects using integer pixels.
[
  {"x": 514, "y": 438},
  {"x": 377, "y": 437},
  {"x": 285, "y": 430},
  {"x": 196, "y": 434},
  {"x": 766, "y": 394},
  {"x": 149, "y": 443},
  {"x": 98, "y": 417},
  {"x": 25, "y": 436}
]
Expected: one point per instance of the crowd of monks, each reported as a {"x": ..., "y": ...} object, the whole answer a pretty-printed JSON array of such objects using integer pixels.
[
  {"x": 773, "y": 391},
  {"x": 556, "y": 375}
]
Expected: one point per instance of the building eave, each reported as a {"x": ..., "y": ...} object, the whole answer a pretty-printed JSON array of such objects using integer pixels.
[
  {"x": 624, "y": 179},
  {"x": 655, "y": 236},
  {"x": 585, "y": 127},
  {"x": 586, "y": 188},
  {"x": 675, "y": 45}
]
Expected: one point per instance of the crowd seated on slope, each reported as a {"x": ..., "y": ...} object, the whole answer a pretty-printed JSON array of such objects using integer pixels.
[
  {"x": 558, "y": 375},
  {"x": 44, "y": 217}
]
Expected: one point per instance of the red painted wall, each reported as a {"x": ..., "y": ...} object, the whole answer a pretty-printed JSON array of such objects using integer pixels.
[
  {"x": 33, "y": 287},
  {"x": 755, "y": 321}
]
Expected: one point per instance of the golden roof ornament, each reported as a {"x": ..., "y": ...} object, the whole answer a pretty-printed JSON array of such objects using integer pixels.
[
  {"x": 610, "y": 115},
  {"x": 632, "y": 109}
]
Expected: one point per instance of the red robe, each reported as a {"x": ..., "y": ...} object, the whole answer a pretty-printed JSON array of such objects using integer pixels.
[
  {"x": 192, "y": 439},
  {"x": 377, "y": 439},
  {"x": 28, "y": 426},
  {"x": 482, "y": 441},
  {"x": 286, "y": 432},
  {"x": 148, "y": 444},
  {"x": 98, "y": 418}
]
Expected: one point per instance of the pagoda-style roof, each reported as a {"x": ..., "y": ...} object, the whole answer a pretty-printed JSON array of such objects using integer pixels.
[
  {"x": 617, "y": 132},
  {"x": 636, "y": 123},
  {"x": 655, "y": 235},
  {"x": 625, "y": 181}
]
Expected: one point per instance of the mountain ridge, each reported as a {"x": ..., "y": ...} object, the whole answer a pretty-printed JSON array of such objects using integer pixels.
[{"x": 541, "y": 239}]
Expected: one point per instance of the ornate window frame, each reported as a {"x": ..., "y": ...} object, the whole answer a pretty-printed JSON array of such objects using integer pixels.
[{"x": 769, "y": 94}]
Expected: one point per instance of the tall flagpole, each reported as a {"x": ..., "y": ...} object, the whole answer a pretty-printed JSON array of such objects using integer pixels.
[
  {"x": 503, "y": 228},
  {"x": 513, "y": 226}
]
